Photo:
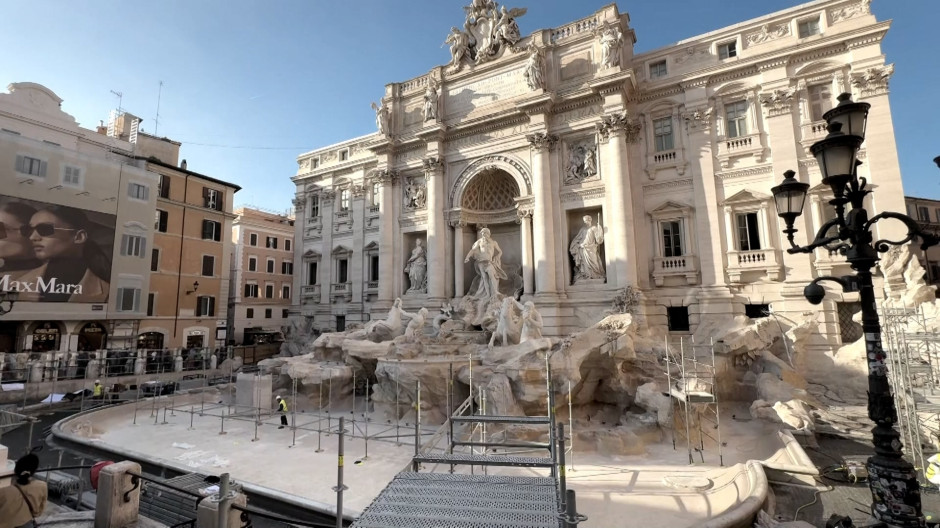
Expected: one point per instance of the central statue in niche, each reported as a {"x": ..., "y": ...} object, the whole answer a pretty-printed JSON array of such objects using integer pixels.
[{"x": 487, "y": 258}]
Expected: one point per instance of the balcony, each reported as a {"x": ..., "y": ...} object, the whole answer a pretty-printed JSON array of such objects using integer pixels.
[
  {"x": 372, "y": 286},
  {"x": 311, "y": 293},
  {"x": 341, "y": 290},
  {"x": 812, "y": 132},
  {"x": 374, "y": 210},
  {"x": 739, "y": 147},
  {"x": 682, "y": 266},
  {"x": 762, "y": 260}
]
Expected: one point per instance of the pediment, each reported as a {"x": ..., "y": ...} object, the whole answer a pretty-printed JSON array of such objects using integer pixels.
[
  {"x": 341, "y": 250},
  {"x": 745, "y": 196},
  {"x": 311, "y": 254},
  {"x": 371, "y": 246},
  {"x": 817, "y": 67},
  {"x": 670, "y": 206}
]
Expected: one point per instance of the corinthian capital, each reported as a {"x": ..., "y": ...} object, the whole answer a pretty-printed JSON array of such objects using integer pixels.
[
  {"x": 432, "y": 164},
  {"x": 873, "y": 81},
  {"x": 385, "y": 177},
  {"x": 542, "y": 140},
  {"x": 617, "y": 123}
]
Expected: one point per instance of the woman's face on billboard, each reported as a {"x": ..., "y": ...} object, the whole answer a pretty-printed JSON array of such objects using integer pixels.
[
  {"x": 53, "y": 238},
  {"x": 13, "y": 245}
]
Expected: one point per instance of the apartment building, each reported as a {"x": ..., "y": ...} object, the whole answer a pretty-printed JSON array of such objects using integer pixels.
[
  {"x": 927, "y": 214},
  {"x": 263, "y": 269}
]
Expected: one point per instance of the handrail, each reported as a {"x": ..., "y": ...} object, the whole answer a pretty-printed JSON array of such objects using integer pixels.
[
  {"x": 164, "y": 484},
  {"x": 278, "y": 518},
  {"x": 436, "y": 437}
]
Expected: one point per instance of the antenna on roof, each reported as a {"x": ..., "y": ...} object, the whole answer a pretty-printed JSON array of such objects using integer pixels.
[
  {"x": 156, "y": 120},
  {"x": 120, "y": 96}
]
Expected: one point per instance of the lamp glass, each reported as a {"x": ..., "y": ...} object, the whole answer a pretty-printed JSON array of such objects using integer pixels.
[
  {"x": 790, "y": 196},
  {"x": 851, "y": 115}
]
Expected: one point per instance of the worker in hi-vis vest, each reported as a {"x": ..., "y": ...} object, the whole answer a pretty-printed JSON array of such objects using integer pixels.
[
  {"x": 98, "y": 391},
  {"x": 282, "y": 408}
]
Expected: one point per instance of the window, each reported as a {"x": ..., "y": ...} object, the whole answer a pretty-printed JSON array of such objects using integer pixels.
[
  {"x": 270, "y": 242},
  {"x": 250, "y": 313},
  {"x": 756, "y": 311},
  {"x": 343, "y": 271},
  {"x": 315, "y": 163},
  {"x": 820, "y": 100},
  {"x": 71, "y": 176},
  {"x": 253, "y": 239},
  {"x": 211, "y": 230},
  {"x": 212, "y": 198},
  {"x": 287, "y": 268},
  {"x": 808, "y": 27},
  {"x": 727, "y": 50},
  {"x": 268, "y": 291},
  {"x": 374, "y": 200},
  {"x": 662, "y": 133},
  {"x": 251, "y": 291},
  {"x": 133, "y": 245},
  {"x": 151, "y": 303},
  {"x": 284, "y": 314},
  {"x": 312, "y": 273},
  {"x": 267, "y": 313},
  {"x": 286, "y": 244},
  {"x": 205, "y": 306},
  {"x": 270, "y": 266},
  {"x": 155, "y": 259},
  {"x": 252, "y": 264},
  {"x": 344, "y": 200},
  {"x": 128, "y": 299},
  {"x": 160, "y": 221},
  {"x": 748, "y": 232},
  {"x": 31, "y": 166},
  {"x": 314, "y": 206},
  {"x": 677, "y": 318},
  {"x": 672, "y": 238},
  {"x": 923, "y": 214},
  {"x": 658, "y": 69},
  {"x": 164, "y": 188},
  {"x": 138, "y": 191},
  {"x": 208, "y": 265},
  {"x": 343, "y": 155},
  {"x": 285, "y": 292},
  {"x": 340, "y": 323},
  {"x": 374, "y": 268},
  {"x": 736, "y": 114}
]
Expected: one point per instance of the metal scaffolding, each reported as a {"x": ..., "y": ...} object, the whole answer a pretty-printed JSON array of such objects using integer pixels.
[
  {"x": 691, "y": 378},
  {"x": 913, "y": 355}
]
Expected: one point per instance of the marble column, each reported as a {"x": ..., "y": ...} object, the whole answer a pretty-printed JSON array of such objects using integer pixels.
[
  {"x": 327, "y": 204},
  {"x": 528, "y": 280},
  {"x": 620, "y": 240},
  {"x": 459, "y": 255},
  {"x": 300, "y": 226},
  {"x": 386, "y": 179},
  {"x": 434, "y": 174},
  {"x": 543, "y": 214}
]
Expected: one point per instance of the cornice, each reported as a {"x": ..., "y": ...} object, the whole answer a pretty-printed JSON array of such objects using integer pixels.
[
  {"x": 743, "y": 173},
  {"x": 671, "y": 184}
]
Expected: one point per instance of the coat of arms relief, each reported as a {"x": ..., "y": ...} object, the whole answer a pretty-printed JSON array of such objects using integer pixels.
[{"x": 489, "y": 29}]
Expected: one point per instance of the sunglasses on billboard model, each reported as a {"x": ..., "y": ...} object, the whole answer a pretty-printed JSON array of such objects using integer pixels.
[{"x": 44, "y": 229}]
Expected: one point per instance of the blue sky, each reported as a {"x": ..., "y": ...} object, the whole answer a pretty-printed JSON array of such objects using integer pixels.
[{"x": 248, "y": 85}]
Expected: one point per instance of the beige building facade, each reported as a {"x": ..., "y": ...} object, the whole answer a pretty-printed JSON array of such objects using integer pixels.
[
  {"x": 551, "y": 139},
  {"x": 263, "y": 275},
  {"x": 927, "y": 214}
]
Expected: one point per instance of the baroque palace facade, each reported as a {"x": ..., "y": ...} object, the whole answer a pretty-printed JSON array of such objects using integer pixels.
[{"x": 662, "y": 161}]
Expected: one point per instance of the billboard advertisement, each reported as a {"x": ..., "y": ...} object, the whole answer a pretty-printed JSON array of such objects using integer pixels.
[{"x": 55, "y": 253}]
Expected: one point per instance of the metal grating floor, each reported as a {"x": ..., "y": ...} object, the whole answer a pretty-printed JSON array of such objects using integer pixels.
[
  {"x": 443, "y": 500},
  {"x": 480, "y": 418}
]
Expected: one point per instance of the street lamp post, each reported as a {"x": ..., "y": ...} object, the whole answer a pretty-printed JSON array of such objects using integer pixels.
[{"x": 892, "y": 479}]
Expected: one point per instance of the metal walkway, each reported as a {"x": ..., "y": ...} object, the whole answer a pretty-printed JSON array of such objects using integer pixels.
[{"x": 460, "y": 500}]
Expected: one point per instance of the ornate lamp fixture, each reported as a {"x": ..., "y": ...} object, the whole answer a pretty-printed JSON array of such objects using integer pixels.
[{"x": 892, "y": 480}]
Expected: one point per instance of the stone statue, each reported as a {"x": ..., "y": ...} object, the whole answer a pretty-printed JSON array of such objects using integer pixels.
[
  {"x": 459, "y": 47},
  {"x": 389, "y": 328},
  {"x": 416, "y": 326},
  {"x": 531, "y": 322},
  {"x": 507, "y": 323},
  {"x": 582, "y": 164},
  {"x": 534, "y": 68},
  {"x": 489, "y": 31},
  {"x": 590, "y": 163},
  {"x": 415, "y": 196},
  {"x": 447, "y": 313},
  {"x": 507, "y": 30},
  {"x": 417, "y": 269},
  {"x": 381, "y": 117},
  {"x": 585, "y": 249},
  {"x": 487, "y": 256},
  {"x": 611, "y": 47},
  {"x": 430, "y": 103}
]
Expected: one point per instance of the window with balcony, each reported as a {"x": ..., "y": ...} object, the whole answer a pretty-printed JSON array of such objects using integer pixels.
[
  {"x": 820, "y": 100},
  {"x": 314, "y": 206},
  {"x": 344, "y": 200},
  {"x": 342, "y": 271},
  {"x": 736, "y": 119},
  {"x": 672, "y": 238},
  {"x": 374, "y": 195},
  {"x": 727, "y": 50},
  {"x": 662, "y": 134},
  {"x": 747, "y": 231},
  {"x": 808, "y": 27},
  {"x": 674, "y": 252},
  {"x": 312, "y": 273},
  {"x": 373, "y": 267}
]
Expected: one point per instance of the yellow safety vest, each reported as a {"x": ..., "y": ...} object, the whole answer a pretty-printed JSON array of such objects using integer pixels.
[
  {"x": 97, "y": 391},
  {"x": 282, "y": 406}
]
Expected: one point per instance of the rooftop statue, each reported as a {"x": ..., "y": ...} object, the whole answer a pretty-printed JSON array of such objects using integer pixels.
[
  {"x": 489, "y": 29},
  {"x": 381, "y": 117}
]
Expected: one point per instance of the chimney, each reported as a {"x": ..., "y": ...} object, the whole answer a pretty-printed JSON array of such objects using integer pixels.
[
  {"x": 102, "y": 128},
  {"x": 183, "y": 164}
]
